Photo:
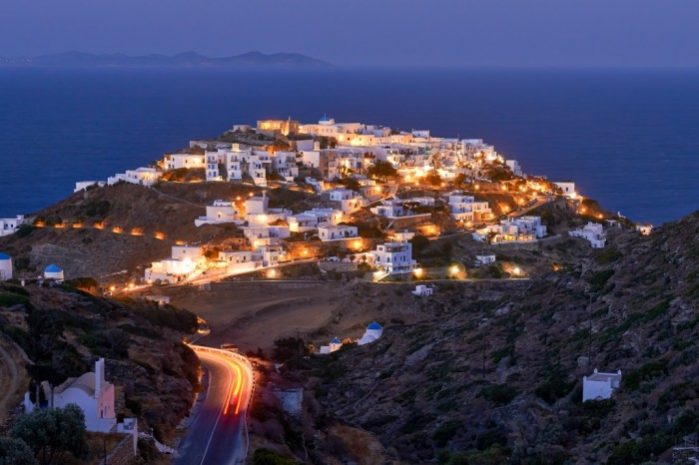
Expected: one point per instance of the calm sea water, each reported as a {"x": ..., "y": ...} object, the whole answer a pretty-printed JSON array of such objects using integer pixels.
[{"x": 629, "y": 139}]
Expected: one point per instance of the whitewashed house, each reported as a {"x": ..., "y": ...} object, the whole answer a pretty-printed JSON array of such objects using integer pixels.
[
  {"x": 5, "y": 267},
  {"x": 372, "y": 333},
  {"x": 340, "y": 232},
  {"x": 600, "y": 385},
  {"x": 183, "y": 262},
  {"x": 514, "y": 167},
  {"x": 54, "y": 272},
  {"x": 219, "y": 212},
  {"x": 95, "y": 397},
  {"x": 241, "y": 261},
  {"x": 482, "y": 260},
  {"x": 334, "y": 345},
  {"x": 84, "y": 185},
  {"x": 393, "y": 258},
  {"x": 176, "y": 161},
  {"x": 347, "y": 199},
  {"x": 10, "y": 225},
  {"x": 392, "y": 208},
  {"x": 422, "y": 290},
  {"x": 466, "y": 208},
  {"x": 593, "y": 233},
  {"x": 568, "y": 189},
  {"x": 144, "y": 176},
  {"x": 310, "y": 219}
]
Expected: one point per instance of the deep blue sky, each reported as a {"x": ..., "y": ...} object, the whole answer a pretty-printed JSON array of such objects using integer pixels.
[{"x": 510, "y": 33}]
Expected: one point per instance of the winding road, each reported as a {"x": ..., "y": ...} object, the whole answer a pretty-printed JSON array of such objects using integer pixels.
[{"x": 218, "y": 433}]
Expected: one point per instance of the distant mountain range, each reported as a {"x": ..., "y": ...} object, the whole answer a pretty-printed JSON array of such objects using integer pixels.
[{"x": 181, "y": 60}]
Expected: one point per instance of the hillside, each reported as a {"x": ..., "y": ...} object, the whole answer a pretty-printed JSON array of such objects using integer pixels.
[
  {"x": 62, "y": 330},
  {"x": 121, "y": 228},
  {"x": 491, "y": 373}
]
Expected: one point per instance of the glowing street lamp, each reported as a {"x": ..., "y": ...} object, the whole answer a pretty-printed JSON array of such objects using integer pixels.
[
  {"x": 418, "y": 273},
  {"x": 454, "y": 270}
]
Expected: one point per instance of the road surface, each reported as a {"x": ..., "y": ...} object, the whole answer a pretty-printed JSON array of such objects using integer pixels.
[{"x": 217, "y": 434}]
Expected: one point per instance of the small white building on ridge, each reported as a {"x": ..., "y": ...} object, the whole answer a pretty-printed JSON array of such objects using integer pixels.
[
  {"x": 54, "y": 272},
  {"x": 599, "y": 386},
  {"x": 593, "y": 233}
]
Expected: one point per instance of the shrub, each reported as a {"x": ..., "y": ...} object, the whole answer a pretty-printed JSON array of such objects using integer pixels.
[
  {"x": 269, "y": 457},
  {"x": 499, "y": 394}
]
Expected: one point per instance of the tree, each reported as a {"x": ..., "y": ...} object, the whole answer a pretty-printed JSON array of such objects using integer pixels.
[
  {"x": 15, "y": 452},
  {"x": 53, "y": 432},
  {"x": 382, "y": 169}
]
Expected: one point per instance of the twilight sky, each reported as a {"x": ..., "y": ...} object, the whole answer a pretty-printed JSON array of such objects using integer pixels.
[{"x": 510, "y": 33}]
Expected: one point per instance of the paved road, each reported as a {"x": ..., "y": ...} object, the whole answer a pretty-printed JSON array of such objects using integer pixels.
[{"x": 217, "y": 435}]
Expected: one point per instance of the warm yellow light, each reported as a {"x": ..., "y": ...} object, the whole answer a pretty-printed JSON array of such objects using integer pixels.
[
  {"x": 516, "y": 271},
  {"x": 454, "y": 270},
  {"x": 137, "y": 232},
  {"x": 99, "y": 225},
  {"x": 357, "y": 244},
  {"x": 418, "y": 272},
  {"x": 131, "y": 285},
  {"x": 77, "y": 225},
  {"x": 117, "y": 230},
  {"x": 159, "y": 235},
  {"x": 112, "y": 288},
  {"x": 271, "y": 274}
]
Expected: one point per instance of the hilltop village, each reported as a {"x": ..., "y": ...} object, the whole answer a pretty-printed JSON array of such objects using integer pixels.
[{"x": 371, "y": 194}]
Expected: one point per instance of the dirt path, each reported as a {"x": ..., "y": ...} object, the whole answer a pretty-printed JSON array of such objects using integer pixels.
[{"x": 13, "y": 376}]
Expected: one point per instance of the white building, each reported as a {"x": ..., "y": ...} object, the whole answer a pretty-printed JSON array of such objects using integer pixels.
[
  {"x": 95, "y": 397},
  {"x": 310, "y": 219},
  {"x": 335, "y": 345},
  {"x": 54, "y": 272},
  {"x": 10, "y": 225},
  {"x": 176, "y": 161},
  {"x": 183, "y": 262},
  {"x": 393, "y": 258},
  {"x": 514, "y": 167},
  {"x": 593, "y": 233},
  {"x": 348, "y": 199},
  {"x": 482, "y": 260},
  {"x": 600, "y": 385},
  {"x": 373, "y": 332},
  {"x": 329, "y": 232},
  {"x": 219, "y": 212},
  {"x": 392, "y": 208},
  {"x": 84, "y": 185},
  {"x": 242, "y": 261},
  {"x": 466, "y": 208},
  {"x": 143, "y": 176},
  {"x": 644, "y": 229},
  {"x": 568, "y": 188},
  {"x": 422, "y": 290},
  {"x": 5, "y": 267}
]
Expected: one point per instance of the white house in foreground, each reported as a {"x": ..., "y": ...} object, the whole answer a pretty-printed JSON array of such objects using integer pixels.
[
  {"x": 95, "y": 397},
  {"x": 600, "y": 385},
  {"x": 393, "y": 258},
  {"x": 423, "y": 290},
  {"x": 593, "y": 233},
  {"x": 568, "y": 188},
  {"x": 5, "y": 267},
  {"x": 9, "y": 225}
]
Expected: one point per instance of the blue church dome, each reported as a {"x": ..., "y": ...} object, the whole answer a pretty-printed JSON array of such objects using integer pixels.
[
  {"x": 324, "y": 118},
  {"x": 374, "y": 325},
  {"x": 336, "y": 341},
  {"x": 4, "y": 256},
  {"x": 53, "y": 269}
]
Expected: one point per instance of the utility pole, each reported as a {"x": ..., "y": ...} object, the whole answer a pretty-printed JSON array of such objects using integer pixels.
[{"x": 589, "y": 330}]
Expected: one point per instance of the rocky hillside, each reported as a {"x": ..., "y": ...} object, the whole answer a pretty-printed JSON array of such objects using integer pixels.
[
  {"x": 492, "y": 373},
  {"x": 122, "y": 228},
  {"x": 63, "y": 330}
]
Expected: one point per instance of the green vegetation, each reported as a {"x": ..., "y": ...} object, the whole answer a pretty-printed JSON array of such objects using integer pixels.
[
  {"x": 382, "y": 170},
  {"x": 499, "y": 394},
  {"x": 15, "y": 452},
  {"x": 269, "y": 457},
  {"x": 53, "y": 434},
  {"x": 599, "y": 279},
  {"x": 97, "y": 208}
]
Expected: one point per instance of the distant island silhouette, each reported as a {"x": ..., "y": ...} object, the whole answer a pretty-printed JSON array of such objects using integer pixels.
[{"x": 181, "y": 60}]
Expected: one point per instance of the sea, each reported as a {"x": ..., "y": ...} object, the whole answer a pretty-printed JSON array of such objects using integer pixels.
[{"x": 629, "y": 139}]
